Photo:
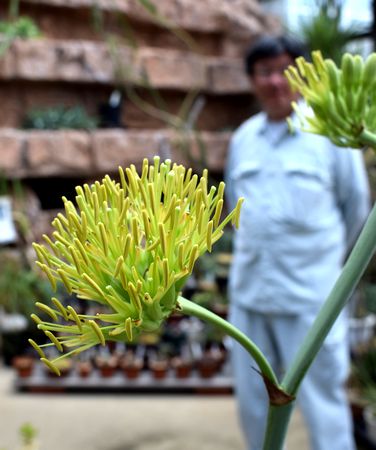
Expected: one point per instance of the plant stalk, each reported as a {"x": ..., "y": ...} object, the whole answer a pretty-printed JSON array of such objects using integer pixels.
[
  {"x": 350, "y": 276},
  {"x": 278, "y": 421},
  {"x": 190, "y": 308},
  {"x": 14, "y": 9},
  {"x": 345, "y": 285},
  {"x": 368, "y": 138}
]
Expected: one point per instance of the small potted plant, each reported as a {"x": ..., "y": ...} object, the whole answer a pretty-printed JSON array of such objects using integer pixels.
[
  {"x": 158, "y": 363},
  {"x": 106, "y": 362},
  {"x": 207, "y": 365},
  {"x": 29, "y": 437},
  {"x": 182, "y": 366},
  {"x": 131, "y": 365},
  {"x": 159, "y": 368},
  {"x": 24, "y": 365},
  {"x": 84, "y": 368}
]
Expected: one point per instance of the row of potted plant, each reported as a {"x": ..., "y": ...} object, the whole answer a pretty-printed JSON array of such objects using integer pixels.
[{"x": 131, "y": 364}]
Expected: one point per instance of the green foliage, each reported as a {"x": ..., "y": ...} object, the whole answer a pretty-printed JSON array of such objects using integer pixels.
[
  {"x": 20, "y": 286},
  {"x": 59, "y": 117},
  {"x": 323, "y": 31},
  {"x": 28, "y": 433},
  {"x": 24, "y": 27},
  {"x": 16, "y": 26}
]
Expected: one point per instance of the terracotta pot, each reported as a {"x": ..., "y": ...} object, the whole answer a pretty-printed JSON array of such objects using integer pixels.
[
  {"x": 182, "y": 367},
  {"x": 219, "y": 355},
  {"x": 106, "y": 371},
  {"x": 159, "y": 368},
  {"x": 84, "y": 368},
  {"x": 207, "y": 366},
  {"x": 24, "y": 365},
  {"x": 106, "y": 366},
  {"x": 132, "y": 367}
]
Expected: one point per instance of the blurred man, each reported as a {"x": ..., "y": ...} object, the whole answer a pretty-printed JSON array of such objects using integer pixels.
[{"x": 305, "y": 203}]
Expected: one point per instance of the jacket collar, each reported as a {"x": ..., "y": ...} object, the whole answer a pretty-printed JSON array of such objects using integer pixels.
[{"x": 295, "y": 129}]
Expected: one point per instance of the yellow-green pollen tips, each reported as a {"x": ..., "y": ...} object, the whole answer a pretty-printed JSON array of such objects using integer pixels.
[
  {"x": 55, "y": 341},
  {"x": 97, "y": 331},
  {"x": 37, "y": 348},
  {"x": 51, "y": 366},
  {"x": 341, "y": 100},
  {"x": 127, "y": 247}
]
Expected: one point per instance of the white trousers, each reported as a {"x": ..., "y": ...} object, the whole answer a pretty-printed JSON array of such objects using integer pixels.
[{"x": 321, "y": 398}]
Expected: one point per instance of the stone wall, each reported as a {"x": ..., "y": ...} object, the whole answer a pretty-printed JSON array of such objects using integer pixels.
[
  {"x": 68, "y": 153},
  {"x": 187, "y": 47}
]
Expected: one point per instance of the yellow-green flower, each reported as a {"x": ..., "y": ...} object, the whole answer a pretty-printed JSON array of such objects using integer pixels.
[
  {"x": 127, "y": 247},
  {"x": 342, "y": 100}
]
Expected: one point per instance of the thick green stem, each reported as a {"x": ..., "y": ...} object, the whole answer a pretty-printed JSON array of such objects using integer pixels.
[
  {"x": 346, "y": 283},
  {"x": 351, "y": 274},
  {"x": 278, "y": 420},
  {"x": 343, "y": 288},
  {"x": 190, "y": 308},
  {"x": 368, "y": 138}
]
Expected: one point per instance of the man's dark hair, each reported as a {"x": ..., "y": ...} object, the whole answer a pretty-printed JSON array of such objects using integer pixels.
[{"x": 270, "y": 46}]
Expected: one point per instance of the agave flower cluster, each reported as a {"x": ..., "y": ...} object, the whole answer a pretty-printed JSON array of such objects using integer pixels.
[
  {"x": 342, "y": 100},
  {"x": 127, "y": 246}
]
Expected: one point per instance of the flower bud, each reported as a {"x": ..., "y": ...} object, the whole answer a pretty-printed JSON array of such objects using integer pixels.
[{"x": 341, "y": 100}]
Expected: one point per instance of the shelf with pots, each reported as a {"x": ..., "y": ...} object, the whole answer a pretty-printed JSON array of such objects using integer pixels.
[
  {"x": 170, "y": 375},
  {"x": 181, "y": 357}
]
